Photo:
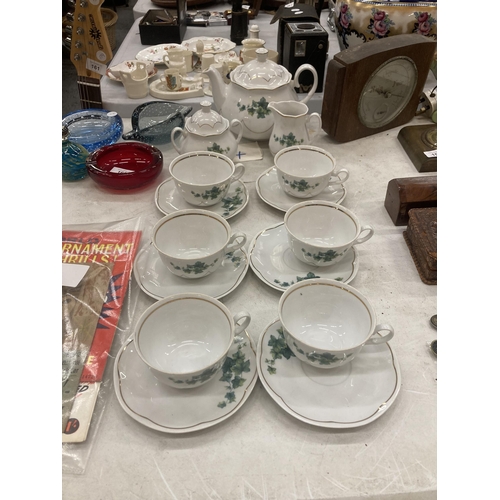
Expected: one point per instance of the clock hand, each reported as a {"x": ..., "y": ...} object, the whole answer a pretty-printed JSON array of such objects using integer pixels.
[{"x": 385, "y": 93}]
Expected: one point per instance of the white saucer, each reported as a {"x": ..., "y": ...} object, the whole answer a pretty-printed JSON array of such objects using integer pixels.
[
  {"x": 158, "y": 282},
  {"x": 158, "y": 89},
  {"x": 274, "y": 263},
  {"x": 156, "y": 53},
  {"x": 269, "y": 190},
  {"x": 349, "y": 396},
  {"x": 179, "y": 411},
  {"x": 168, "y": 200}
]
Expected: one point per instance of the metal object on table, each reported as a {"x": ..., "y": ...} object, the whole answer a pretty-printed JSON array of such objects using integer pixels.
[{"x": 434, "y": 347}]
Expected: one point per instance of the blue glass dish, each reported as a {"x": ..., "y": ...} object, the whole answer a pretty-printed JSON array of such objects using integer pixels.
[{"x": 93, "y": 128}]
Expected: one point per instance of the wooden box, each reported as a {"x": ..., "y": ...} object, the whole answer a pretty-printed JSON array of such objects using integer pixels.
[
  {"x": 421, "y": 238},
  {"x": 153, "y": 30},
  {"x": 405, "y": 193}
]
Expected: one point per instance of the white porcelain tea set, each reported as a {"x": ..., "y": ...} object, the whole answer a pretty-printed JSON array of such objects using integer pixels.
[
  {"x": 325, "y": 359},
  {"x": 325, "y": 347}
]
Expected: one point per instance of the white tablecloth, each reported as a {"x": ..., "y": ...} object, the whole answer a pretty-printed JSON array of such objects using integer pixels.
[{"x": 262, "y": 452}]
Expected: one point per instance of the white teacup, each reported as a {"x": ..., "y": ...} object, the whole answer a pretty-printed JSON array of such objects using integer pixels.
[
  {"x": 185, "y": 338},
  {"x": 192, "y": 243},
  {"x": 203, "y": 178},
  {"x": 305, "y": 171},
  {"x": 321, "y": 232},
  {"x": 327, "y": 323}
]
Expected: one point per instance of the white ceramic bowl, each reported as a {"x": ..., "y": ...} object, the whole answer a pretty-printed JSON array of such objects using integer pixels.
[
  {"x": 192, "y": 243},
  {"x": 185, "y": 338},
  {"x": 326, "y": 323},
  {"x": 321, "y": 232}
]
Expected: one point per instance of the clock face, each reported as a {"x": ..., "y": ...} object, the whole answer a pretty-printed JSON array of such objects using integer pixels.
[{"x": 387, "y": 92}]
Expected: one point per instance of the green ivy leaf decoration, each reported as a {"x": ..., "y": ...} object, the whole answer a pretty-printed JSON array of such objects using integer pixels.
[
  {"x": 232, "y": 371},
  {"x": 288, "y": 140},
  {"x": 259, "y": 108},
  {"x": 279, "y": 350},
  {"x": 230, "y": 203},
  {"x": 308, "y": 276}
]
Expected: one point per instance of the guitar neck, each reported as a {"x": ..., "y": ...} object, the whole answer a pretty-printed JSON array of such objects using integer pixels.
[{"x": 89, "y": 90}]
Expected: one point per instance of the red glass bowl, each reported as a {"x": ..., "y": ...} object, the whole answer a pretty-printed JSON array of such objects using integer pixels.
[{"x": 125, "y": 165}]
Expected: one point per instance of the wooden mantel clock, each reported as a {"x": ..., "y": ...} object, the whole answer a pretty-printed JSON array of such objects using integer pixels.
[{"x": 375, "y": 86}]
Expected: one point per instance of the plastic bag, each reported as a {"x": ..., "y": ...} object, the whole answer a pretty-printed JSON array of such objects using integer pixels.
[{"x": 98, "y": 306}]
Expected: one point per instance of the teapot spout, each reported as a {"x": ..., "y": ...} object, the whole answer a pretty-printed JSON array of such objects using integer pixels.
[{"x": 219, "y": 88}]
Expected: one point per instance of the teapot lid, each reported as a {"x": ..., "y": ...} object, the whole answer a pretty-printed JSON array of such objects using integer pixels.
[
  {"x": 261, "y": 73},
  {"x": 206, "y": 121}
]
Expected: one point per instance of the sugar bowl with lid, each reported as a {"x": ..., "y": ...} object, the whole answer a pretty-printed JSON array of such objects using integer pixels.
[{"x": 207, "y": 130}]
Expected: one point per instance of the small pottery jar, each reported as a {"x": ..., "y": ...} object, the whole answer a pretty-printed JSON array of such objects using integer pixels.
[{"x": 207, "y": 130}]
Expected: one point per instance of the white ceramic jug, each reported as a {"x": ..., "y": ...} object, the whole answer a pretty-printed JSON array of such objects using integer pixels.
[
  {"x": 292, "y": 125},
  {"x": 136, "y": 82}
]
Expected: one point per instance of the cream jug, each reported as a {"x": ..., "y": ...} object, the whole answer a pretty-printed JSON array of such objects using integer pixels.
[
  {"x": 136, "y": 82},
  {"x": 292, "y": 125}
]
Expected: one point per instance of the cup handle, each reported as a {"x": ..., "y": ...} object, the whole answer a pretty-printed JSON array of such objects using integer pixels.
[
  {"x": 366, "y": 237},
  {"x": 233, "y": 244},
  {"x": 316, "y": 130},
  {"x": 239, "y": 170},
  {"x": 172, "y": 137},
  {"x": 239, "y": 328},
  {"x": 339, "y": 177},
  {"x": 376, "y": 339}
]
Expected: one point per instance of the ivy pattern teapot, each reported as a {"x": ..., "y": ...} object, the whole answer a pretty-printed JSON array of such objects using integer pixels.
[{"x": 251, "y": 88}]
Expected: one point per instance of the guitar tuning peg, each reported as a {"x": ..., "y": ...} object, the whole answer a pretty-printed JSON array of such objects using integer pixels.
[
  {"x": 70, "y": 17},
  {"x": 67, "y": 42},
  {"x": 71, "y": 3},
  {"x": 68, "y": 29}
]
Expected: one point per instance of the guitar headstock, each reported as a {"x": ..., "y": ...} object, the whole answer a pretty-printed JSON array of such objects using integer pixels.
[{"x": 90, "y": 48}]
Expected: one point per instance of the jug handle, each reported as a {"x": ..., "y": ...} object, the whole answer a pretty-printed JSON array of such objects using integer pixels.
[
  {"x": 312, "y": 69},
  {"x": 235, "y": 123},
  {"x": 125, "y": 76},
  {"x": 315, "y": 131},
  {"x": 172, "y": 137}
]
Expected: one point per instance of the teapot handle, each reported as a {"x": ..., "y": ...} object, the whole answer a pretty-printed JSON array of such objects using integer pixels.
[
  {"x": 172, "y": 137},
  {"x": 312, "y": 69},
  {"x": 235, "y": 123}
]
